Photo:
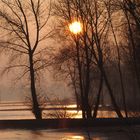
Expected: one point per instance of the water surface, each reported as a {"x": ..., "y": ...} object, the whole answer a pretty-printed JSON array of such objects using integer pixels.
[{"x": 98, "y": 133}]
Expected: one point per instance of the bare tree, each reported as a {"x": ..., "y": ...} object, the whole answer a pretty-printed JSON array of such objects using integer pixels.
[
  {"x": 89, "y": 46},
  {"x": 131, "y": 10},
  {"x": 24, "y": 24},
  {"x": 110, "y": 11}
]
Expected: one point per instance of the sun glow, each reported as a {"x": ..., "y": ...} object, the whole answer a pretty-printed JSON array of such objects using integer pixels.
[{"x": 75, "y": 27}]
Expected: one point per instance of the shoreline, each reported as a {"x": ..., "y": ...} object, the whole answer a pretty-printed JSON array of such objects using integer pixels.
[{"x": 67, "y": 123}]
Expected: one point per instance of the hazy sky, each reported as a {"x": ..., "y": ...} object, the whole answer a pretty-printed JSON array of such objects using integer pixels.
[{"x": 11, "y": 90}]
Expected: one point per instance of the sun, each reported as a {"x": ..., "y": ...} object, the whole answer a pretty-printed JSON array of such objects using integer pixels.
[{"x": 75, "y": 27}]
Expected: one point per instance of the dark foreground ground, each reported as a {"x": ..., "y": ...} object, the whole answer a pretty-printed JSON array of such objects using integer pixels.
[{"x": 68, "y": 123}]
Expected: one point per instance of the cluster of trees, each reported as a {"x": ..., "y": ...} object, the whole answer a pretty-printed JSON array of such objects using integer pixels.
[{"x": 104, "y": 57}]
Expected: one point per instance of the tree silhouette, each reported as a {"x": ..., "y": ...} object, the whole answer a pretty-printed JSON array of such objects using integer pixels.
[
  {"x": 89, "y": 47},
  {"x": 25, "y": 27}
]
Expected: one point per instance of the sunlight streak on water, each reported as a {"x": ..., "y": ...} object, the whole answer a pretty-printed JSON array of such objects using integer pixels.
[
  {"x": 6, "y": 112},
  {"x": 74, "y": 138},
  {"x": 29, "y": 115},
  {"x": 11, "y": 134}
]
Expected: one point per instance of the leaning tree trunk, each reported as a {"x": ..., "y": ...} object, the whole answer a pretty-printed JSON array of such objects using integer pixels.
[
  {"x": 103, "y": 73},
  {"x": 35, "y": 105},
  {"x": 116, "y": 107},
  {"x": 98, "y": 97}
]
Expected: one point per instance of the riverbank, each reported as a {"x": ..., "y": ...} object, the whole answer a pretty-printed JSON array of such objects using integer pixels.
[{"x": 67, "y": 123}]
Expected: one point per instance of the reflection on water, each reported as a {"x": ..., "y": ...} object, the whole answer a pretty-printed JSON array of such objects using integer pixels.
[
  {"x": 68, "y": 134},
  {"x": 41, "y": 135}
]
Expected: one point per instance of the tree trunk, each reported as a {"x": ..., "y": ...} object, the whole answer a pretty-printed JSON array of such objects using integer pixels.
[
  {"x": 117, "y": 110},
  {"x": 87, "y": 83},
  {"x": 88, "y": 111},
  {"x": 80, "y": 78},
  {"x": 132, "y": 39},
  {"x": 35, "y": 108},
  {"x": 98, "y": 98}
]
